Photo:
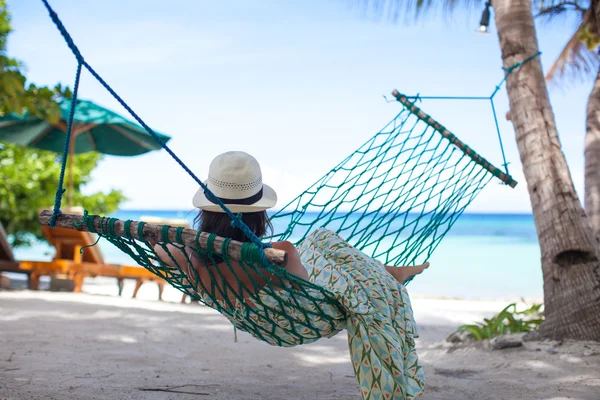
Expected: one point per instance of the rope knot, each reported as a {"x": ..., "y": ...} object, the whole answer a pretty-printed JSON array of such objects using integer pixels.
[
  {"x": 511, "y": 69},
  {"x": 236, "y": 220},
  {"x": 55, "y": 214},
  {"x": 520, "y": 63},
  {"x": 84, "y": 219}
]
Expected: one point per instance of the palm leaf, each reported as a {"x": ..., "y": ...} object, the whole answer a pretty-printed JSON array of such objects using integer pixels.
[
  {"x": 534, "y": 309},
  {"x": 575, "y": 60},
  {"x": 535, "y": 322},
  {"x": 394, "y": 10},
  {"x": 506, "y": 321},
  {"x": 473, "y": 330},
  {"x": 551, "y": 10}
]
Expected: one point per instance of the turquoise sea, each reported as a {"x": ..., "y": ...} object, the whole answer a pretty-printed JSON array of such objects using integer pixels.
[{"x": 483, "y": 256}]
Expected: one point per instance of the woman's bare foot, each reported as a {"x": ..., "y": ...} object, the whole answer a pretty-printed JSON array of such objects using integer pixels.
[{"x": 402, "y": 274}]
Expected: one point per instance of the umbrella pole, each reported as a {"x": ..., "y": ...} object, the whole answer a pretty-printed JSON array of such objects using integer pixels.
[{"x": 70, "y": 167}]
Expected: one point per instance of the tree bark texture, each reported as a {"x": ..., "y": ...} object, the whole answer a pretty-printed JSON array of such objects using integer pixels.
[
  {"x": 592, "y": 158},
  {"x": 569, "y": 252}
]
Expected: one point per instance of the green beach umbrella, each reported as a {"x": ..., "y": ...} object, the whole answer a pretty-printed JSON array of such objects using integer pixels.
[{"x": 94, "y": 129}]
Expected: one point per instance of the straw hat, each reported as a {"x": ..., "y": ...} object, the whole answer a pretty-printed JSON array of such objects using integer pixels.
[{"x": 235, "y": 178}]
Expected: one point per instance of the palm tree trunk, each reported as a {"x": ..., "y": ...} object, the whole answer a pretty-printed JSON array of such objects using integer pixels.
[
  {"x": 592, "y": 158},
  {"x": 570, "y": 263},
  {"x": 592, "y": 141}
]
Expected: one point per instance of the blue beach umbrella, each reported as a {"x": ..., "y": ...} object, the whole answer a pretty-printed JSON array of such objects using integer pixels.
[{"x": 95, "y": 128}]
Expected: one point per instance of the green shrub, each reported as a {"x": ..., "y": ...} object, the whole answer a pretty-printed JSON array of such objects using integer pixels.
[{"x": 508, "y": 320}]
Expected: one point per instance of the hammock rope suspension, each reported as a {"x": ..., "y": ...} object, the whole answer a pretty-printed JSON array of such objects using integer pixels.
[
  {"x": 235, "y": 220},
  {"x": 394, "y": 198},
  {"x": 507, "y": 71}
]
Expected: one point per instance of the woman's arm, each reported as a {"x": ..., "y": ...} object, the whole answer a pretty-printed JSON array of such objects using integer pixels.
[
  {"x": 234, "y": 280},
  {"x": 176, "y": 253},
  {"x": 294, "y": 264}
]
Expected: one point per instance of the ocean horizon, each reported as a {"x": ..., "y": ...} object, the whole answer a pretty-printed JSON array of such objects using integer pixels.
[{"x": 484, "y": 255}]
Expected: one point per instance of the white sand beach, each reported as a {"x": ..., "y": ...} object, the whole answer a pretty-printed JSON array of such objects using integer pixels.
[{"x": 99, "y": 346}]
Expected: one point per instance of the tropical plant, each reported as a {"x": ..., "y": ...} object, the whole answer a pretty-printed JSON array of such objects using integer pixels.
[
  {"x": 16, "y": 96},
  {"x": 28, "y": 177},
  {"x": 580, "y": 59},
  {"x": 569, "y": 250},
  {"x": 509, "y": 320}
]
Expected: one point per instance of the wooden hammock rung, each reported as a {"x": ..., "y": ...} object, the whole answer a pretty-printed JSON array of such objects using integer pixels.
[
  {"x": 410, "y": 106},
  {"x": 153, "y": 233}
]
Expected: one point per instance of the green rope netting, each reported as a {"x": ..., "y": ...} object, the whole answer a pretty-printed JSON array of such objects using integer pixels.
[
  {"x": 263, "y": 299},
  {"x": 394, "y": 198}
]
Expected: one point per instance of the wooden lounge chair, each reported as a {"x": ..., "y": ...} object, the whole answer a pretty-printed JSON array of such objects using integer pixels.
[
  {"x": 7, "y": 259},
  {"x": 70, "y": 263}
]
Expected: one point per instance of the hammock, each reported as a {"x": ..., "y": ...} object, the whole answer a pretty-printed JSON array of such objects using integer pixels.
[{"x": 394, "y": 198}]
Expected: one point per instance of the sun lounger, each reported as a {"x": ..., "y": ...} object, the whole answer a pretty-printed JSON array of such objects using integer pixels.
[
  {"x": 70, "y": 263},
  {"x": 7, "y": 259}
]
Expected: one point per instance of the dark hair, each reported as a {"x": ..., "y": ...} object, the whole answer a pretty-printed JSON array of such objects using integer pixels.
[{"x": 220, "y": 224}]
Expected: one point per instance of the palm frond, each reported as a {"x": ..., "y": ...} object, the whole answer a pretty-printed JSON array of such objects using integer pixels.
[
  {"x": 550, "y": 11},
  {"x": 566, "y": 5},
  {"x": 414, "y": 10},
  {"x": 575, "y": 61}
]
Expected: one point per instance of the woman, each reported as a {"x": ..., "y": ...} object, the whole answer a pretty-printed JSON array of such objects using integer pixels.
[{"x": 376, "y": 308}]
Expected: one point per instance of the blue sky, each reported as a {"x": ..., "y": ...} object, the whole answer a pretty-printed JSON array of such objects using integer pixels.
[{"x": 298, "y": 84}]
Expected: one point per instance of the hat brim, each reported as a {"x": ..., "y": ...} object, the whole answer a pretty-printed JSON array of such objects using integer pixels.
[{"x": 268, "y": 200}]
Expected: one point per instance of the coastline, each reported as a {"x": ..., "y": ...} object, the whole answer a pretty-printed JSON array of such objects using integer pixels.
[
  {"x": 478, "y": 259},
  {"x": 108, "y": 287}
]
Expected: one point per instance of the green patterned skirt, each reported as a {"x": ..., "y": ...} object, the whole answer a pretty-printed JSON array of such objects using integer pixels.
[{"x": 378, "y": 317}]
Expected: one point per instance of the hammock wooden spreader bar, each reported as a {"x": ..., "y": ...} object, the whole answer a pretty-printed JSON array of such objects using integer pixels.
[
  {"x": 423, "y": 116},
  {"x": 157, "y": 233}
]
